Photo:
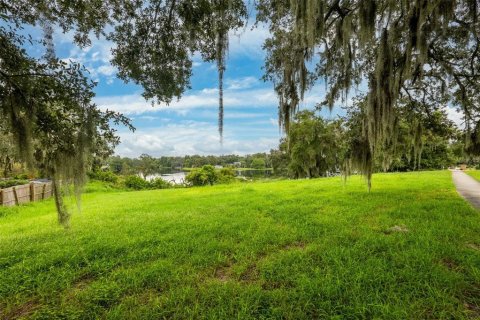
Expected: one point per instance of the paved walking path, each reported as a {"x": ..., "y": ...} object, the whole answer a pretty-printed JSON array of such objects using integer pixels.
[{"x": 467, "y": 187}]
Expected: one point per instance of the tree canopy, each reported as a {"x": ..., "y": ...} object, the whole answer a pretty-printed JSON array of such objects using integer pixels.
[
  {"x": 46, "y": 103},
  {"x": 407, "y": 54}
]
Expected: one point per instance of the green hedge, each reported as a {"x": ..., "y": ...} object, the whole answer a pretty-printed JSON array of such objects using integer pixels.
[
  {"x": 137, "y": 183},
  {"x": 12, "y": 182}
]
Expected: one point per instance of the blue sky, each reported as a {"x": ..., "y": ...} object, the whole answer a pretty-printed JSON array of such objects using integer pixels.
[{"x": 189, "y": 126}]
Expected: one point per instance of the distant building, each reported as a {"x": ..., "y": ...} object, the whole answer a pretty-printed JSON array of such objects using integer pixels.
[
  {"x": 218, "y": 166},
  {"x": 237, "y": 164}
]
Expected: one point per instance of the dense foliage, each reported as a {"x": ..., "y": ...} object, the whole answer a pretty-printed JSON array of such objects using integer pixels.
[
  {"x": 146, "y": 164},
  {"x": 46, "y": 104},
  {"x": 12, "y": 182},
  {"x": 207, "y": 175},
  {"x": 315, "y": 146},
  {"x": 318, "y": 147},
  {"x": 408, "y": 54}
]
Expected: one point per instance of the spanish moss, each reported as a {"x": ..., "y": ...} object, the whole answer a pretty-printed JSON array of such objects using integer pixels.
[{"x": 399, "y": 49}]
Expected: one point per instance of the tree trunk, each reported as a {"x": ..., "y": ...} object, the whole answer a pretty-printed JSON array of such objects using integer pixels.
[{"x": 63, "y": 215}]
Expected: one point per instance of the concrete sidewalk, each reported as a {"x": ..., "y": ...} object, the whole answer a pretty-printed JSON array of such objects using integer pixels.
[{"x": 467, "y": 187}]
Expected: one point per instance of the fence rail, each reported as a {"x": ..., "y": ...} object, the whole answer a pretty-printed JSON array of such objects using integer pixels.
[{"x": 34, "y": 191}]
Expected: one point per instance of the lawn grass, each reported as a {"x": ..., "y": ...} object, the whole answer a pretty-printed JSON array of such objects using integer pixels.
[
  {"x": 286, "y": 249},
  {"x": 474, "y": 173}
]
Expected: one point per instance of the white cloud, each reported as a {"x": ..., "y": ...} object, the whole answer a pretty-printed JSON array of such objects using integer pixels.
[
  {"x": 274, "y": 122},
  {"x": 206, "y": 98},
  {"x": 149, "y": 118},
  {"x": 96, "y": 58},
  {"x": 248, "y": 41},
  {"x": 241, "y": 83},
  {"x": 191, "y": 138},
  {"x": 107, "y": 70},
  {"x": 455, "y": 116}
]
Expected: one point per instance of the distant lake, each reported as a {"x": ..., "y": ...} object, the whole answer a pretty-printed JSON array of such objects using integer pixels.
[
  {"x": 174, "y": 177},
  {"x": 178, "y": 177}
]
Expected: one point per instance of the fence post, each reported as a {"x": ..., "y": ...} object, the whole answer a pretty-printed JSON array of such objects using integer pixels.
[
  {"x": 1, "y": 197},
  {"x": 43, "y": 190},
  {"x": 32, "y": 192},
  {"x": 15, "y": 194}
]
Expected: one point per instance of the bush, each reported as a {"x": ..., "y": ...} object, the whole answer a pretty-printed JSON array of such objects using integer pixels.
[
  {"x": 258, "y": 163},
  {"x": 12, "y": 182},
  {"x": 159, "y": 183},
  {"x": 227, "y": 172},
  {"x": 136, "y": 183},
  {"x": 22, "y": 176},
  {"x": 226, "y": 175},
  {"x": 200, "y": 177},
  {"x": 107, "y": 176},
  {"x": 196, "y": 177}
]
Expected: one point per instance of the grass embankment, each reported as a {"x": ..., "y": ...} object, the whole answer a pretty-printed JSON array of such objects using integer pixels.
[
  {"x": 474, "y": 173},
  {"x": 289, "y": 249}
]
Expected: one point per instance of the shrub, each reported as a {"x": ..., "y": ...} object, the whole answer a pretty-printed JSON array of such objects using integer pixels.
[
  {"x": 159, "y": 183},
  {"x": 258, "y": 163},
  {"x": 107, "y": 176},
  {"x": 227, "y": 172},
  {"x": 12, "y": 182},
  {"x": 22, "y": 176},
  {"x": 226, "y": 175},
  {"x": 196, "y": 177},
  {"x": 136, "y": 183},
  {"x": 203, "y": 176},
  {"x": 211, "y": 173}
]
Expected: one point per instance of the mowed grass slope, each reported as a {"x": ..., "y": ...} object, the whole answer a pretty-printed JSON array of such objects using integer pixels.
[
  {"x": 284, "y": 249},
  {"x": 474, "y": 173}
]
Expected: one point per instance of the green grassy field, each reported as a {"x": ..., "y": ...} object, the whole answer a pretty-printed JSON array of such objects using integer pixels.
[{"x": 409, "y": 249}]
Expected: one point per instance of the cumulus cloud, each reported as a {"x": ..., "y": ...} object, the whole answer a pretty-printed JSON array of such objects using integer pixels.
[
  {"x": 107, "y": 70},
  {"x": 241, "y": 83},
  {"x": 191, "y": 137},
  {"x": 455, "y": 116},
  {"x": 248, "y": 41},
  {"x": 206, "y": 98}
]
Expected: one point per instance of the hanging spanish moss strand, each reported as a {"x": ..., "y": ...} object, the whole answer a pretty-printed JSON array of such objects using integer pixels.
[
  {"x": 222, "y": 47},
  {"x": 221, "y": 51},
  {"x": 48, "y": 40},
  {"x": 60, "y": 186}
]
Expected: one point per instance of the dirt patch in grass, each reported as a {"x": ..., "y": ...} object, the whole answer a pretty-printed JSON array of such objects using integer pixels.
[
  {"x": 147, "y": 296},
  {"x": 22, "y": 310},
  {"x": 473, "y": 311},
  {"x": 473, "y": 246},
  {"x": 450, "y": 264},
  {"x": 471, "y": 300},
  {"x": 397, "y": 229},
  {"x": 250, "y": 274},
  {"x": 223, "y": 273},
  {"x": 295, "y": 245},
  {"x": 78, "y": 285},
  {"x": 83, "y": 281}
]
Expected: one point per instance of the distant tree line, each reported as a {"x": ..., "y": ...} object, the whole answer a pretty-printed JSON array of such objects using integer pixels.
[
  {"x": 318, "y": 147},
  {"x": 146, "y": 164},
  {"x": 315, "y": 147}
]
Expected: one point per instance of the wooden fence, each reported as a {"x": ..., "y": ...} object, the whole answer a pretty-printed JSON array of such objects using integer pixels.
[{"x": 34, "y": 191}]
